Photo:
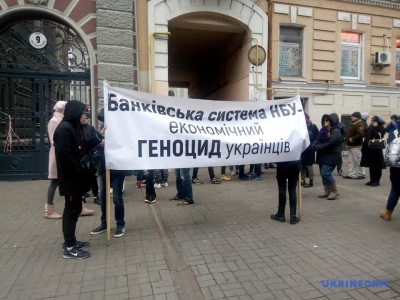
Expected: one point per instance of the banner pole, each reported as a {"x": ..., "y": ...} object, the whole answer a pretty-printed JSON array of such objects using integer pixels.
[
  {"x": 299, "y": 181},
  {"x": 299, "y": 195},
  {"x": 108, "y": 206}
]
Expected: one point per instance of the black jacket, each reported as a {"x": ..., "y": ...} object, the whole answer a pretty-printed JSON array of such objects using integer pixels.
[
  {"x": 91, "y": 136},
  {"x": 70, "y": 148},
  {"x": 329, "y": 148},
  {"x": 373, "y": 158},
  {"x": 308, "y": 155}
]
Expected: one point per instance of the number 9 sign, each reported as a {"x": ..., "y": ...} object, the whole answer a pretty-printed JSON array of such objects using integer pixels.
[{"x": 38, "y": 40}]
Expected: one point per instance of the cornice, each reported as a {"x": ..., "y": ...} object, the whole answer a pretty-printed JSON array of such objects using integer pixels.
[{"x": 384, "y": 4}]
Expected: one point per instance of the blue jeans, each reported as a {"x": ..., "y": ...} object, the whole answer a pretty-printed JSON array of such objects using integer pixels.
[
  {"x": 116, "y": 183},
  {"x": 326, "y": 174},
  {"x": 393, "y": 198},
  {"x": 184, "y": 184}
]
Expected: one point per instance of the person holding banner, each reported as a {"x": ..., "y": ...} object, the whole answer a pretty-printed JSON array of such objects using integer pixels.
[
  {"x": 183, "y": 187},
  {"x": 117, "y": 178},
  {"x": 73, "y": 178},
  {"x": 327, "y": 146}
]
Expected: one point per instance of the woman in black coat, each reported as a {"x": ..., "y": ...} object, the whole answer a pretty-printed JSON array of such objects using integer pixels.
[
  {"x": 373, "y": 158},
  {"x": 327, "y": 146}
]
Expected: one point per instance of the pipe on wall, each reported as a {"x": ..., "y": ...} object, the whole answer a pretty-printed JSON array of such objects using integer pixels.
[{"x": 152, "y": 54}]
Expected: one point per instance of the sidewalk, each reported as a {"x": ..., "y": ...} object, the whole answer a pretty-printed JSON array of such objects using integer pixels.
[{"x": 224, "y": 247}]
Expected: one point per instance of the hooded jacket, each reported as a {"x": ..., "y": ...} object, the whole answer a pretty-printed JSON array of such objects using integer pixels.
[
  {"x": 51, "y": 127},
  {"x": 70, "y": 149},
  {"x": 328, "y": 147}
]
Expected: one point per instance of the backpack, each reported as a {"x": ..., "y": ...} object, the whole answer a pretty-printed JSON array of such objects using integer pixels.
[{"x": 392, "y": 157}]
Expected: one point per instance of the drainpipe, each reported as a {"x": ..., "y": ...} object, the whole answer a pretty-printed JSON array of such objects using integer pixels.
[
  {"x": 152, "y": 64},
  {"x": 269, "y": 52}
]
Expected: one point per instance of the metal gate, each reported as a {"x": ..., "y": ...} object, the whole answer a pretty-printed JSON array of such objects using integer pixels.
[{"x": 32, "y": 79}]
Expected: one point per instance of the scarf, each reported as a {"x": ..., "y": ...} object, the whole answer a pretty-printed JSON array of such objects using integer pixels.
[{"x": 324, "y": 133}]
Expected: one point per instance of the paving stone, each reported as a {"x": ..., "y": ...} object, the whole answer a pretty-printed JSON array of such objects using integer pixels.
[{"x": 231, "y": 246}]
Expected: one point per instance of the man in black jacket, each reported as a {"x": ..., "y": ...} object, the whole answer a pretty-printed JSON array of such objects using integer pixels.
[{"x": 73, "y": 179}]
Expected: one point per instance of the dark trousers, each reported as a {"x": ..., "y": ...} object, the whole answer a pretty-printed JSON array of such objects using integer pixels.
[
  {"x": 210, "y": 172},
  {"x": 72, "y": 210},
  {"x": 161, "y": 175},
  {"x": 257, "y": 169},
  {"x": 149, "y": 175},
  {"x": 375, "y": 174},
  {"x": 223, "y": 168},
  {"x": 241, "y": 171},
  {"x": 287, "y": 175},
  {"x": 95, "y": 186},
  {"x": 51, "y": 191},
  {"x": 139, "y": 175}
]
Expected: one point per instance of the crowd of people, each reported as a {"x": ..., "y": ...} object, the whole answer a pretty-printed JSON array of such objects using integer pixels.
[{"x": 72, "y": 139}]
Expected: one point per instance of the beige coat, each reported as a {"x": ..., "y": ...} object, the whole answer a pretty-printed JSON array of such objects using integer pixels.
[{"x": 51, "y": 127}]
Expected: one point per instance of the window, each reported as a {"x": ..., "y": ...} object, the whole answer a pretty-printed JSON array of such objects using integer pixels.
[
  {"x": 351, "y": 55},
  {"x": 398, "y": 60},
  {"x": 290, "y": 51}
]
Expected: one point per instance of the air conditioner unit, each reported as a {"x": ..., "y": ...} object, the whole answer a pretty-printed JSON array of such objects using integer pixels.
[{"x": 383, "y": 58}]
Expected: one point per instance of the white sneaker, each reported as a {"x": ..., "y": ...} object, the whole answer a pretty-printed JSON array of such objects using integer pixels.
[
  {"x": 165, "y": 184},
  {"x": 233, "y": 173},
  {"x": 157, "y": 185}
]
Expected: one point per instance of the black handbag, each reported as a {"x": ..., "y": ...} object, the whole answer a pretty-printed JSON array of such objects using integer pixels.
[
  {"x": 89, "y": 162},
  {"x": 377, "y": 143}
]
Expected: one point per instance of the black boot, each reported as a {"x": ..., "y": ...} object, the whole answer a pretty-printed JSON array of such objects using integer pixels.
[
  {"x": 293, "y": 218},
  {"x": 311, "y": 183},
  {"x": 280, "y": 215}
]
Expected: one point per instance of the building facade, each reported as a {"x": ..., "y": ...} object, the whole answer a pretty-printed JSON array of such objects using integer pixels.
[
  {"x": 343, "y": 56},
  {"x": 340, "y": 56}
]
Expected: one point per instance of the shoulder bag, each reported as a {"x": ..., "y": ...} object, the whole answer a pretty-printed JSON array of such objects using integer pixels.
[{"x": 377, "y": 143}]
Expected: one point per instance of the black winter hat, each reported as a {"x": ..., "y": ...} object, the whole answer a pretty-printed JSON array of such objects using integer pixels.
[
  {"x": 379, "y": 120},
  {"x": 394, "y": 117},
  {"x": 356, "y": 114}
]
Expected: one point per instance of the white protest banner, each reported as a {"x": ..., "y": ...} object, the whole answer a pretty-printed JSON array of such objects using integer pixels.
[{"x": 148, "y": 131}]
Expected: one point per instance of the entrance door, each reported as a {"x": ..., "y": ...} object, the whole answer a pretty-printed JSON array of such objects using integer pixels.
[{"x": 34, "y": 75}]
